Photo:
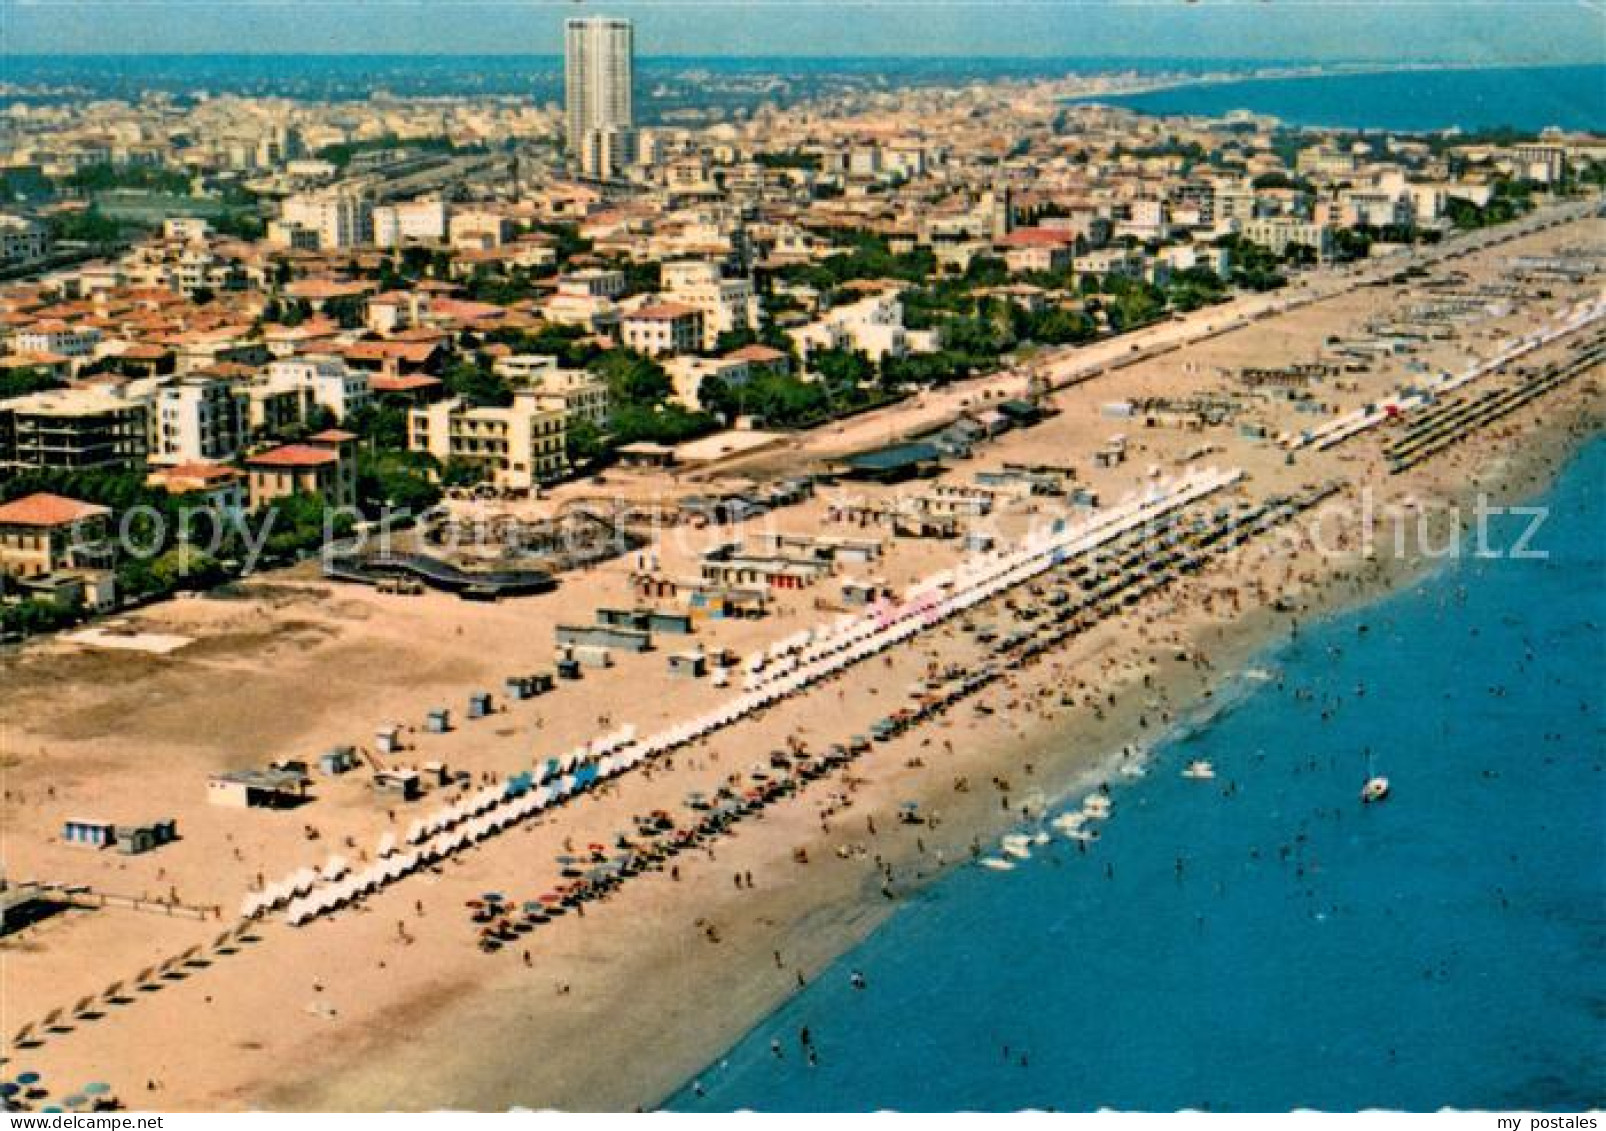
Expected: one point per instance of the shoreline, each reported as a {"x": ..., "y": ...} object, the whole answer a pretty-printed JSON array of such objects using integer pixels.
[{"x": 1247, "y": 641}]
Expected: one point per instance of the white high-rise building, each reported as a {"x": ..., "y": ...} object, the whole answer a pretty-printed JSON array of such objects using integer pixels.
[{"x": 599, "y": 66}]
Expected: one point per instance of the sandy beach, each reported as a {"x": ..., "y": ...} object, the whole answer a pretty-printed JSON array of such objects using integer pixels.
[{"x": 392, "y": 1005}]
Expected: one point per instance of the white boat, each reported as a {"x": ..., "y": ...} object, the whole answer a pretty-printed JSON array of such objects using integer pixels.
[
  {"x": 1376, "y": 789},
  {"x": 1087, "y": 836},
  {"x": 1069, "y": 823},
  {"x": 1199, "y": 770},
  {"x": 1096, "y": 805},
  {"x": 995, "y": 864},
  {"x": 1016, "y": 846}
]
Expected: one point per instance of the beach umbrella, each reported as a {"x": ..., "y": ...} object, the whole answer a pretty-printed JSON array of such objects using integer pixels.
[
  {"x": 96, "y": 1089},
  {"x": 28, "y": 1079},
  {"x": 8, "y": 1089}
]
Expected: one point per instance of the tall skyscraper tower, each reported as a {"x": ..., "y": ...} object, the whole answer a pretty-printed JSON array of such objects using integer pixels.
[{"x": 599, "y": 68}]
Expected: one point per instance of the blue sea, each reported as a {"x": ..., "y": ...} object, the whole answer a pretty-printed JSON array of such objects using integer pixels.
[
  {"x": 1525, "y": 98},
  {"x": 1263, "y": 941},
  {"x": 1522, "y": 98}
]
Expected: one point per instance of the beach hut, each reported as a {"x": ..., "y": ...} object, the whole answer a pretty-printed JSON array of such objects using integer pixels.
[
  {"x": 690, "y": 664},
  {"x": 89, "y": 834},
  {"x": 135, "y": 839},
  {"x": 438, "y": 721},
  {"x": 339, "y": 760},
  {"x": 387, "y": 739},
  {"x": 402, "y": 785},
  {"x": 479, "y": 704}
]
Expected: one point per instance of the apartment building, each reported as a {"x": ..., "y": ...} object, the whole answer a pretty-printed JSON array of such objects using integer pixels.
[
  {"x": 1278, "y": 233},
  {"x": 22, "y": 240},
  {"x": 726, "y": 304},
  {"x": 410, "y": 222},
  {"x": 334, "y": 385},
  {"x": 662, "y": 329},
  {"x": 335, "y": 220},
  {"x": 72, "y": 430},
  {"x": 519, "y": 446},
  {"x": 57, "y": 337},
  {"x": 198, "y": 419}
]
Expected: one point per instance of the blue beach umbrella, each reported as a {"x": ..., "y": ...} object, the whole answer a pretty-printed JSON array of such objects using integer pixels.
[
  {"x": 96, "y": 1089},
  {"x": 27, "y": 1078},
  {"x": 9, "y": 1089}
]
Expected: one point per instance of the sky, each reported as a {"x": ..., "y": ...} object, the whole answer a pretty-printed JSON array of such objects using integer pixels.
[{"x": 1536, "y": 31}]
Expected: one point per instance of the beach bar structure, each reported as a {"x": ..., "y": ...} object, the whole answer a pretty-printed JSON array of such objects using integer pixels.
[{"x": 258, "y": 789}]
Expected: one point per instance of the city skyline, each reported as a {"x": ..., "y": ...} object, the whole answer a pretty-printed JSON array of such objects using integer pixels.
[{"x": 1497, "y": 31}]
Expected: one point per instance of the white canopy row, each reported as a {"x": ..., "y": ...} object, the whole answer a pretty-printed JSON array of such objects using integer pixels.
[{"x": 805, "y": 659}]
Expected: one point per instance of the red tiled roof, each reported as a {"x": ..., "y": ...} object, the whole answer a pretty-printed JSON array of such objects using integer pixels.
[
  {"x": 332, "y": 436},
  {"x": 761, "y": 354},
  {"x": 44, "y": 509},
  {"x": 1039, "y": 237},
  {"x": 662, "y": 312},
  {"x": 194, "y": 472},
  {"x": 406, "y": 383},
  {"x": 294, "y": 455}
]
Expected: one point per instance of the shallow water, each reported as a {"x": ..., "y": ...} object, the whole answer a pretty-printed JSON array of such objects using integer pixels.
[{"x": 1262, "y": 940}]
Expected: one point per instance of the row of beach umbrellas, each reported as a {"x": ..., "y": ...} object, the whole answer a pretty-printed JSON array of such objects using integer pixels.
[{"x": 791, "y": 665}]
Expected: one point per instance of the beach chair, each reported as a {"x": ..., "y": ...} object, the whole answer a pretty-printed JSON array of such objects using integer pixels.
[
  {"x": 23, "y": 1036},
  {"x": 51, "y": 1020},
  {"x": 112, "y": 992},
  {"x": 83, "y": 1005}
]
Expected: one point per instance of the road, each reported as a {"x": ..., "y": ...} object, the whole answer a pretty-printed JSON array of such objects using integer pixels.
[{"x": 1075, "y": 364}]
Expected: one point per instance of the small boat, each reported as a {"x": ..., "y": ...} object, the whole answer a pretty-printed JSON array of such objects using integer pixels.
[
  {"x": 1199, "y": 770},
  {"x": 1376, "y": 789},
  {"x": 1096, "y": 805},
  {"x": 995, "y": 864},
  {"x": 1016, "y": 847}
]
